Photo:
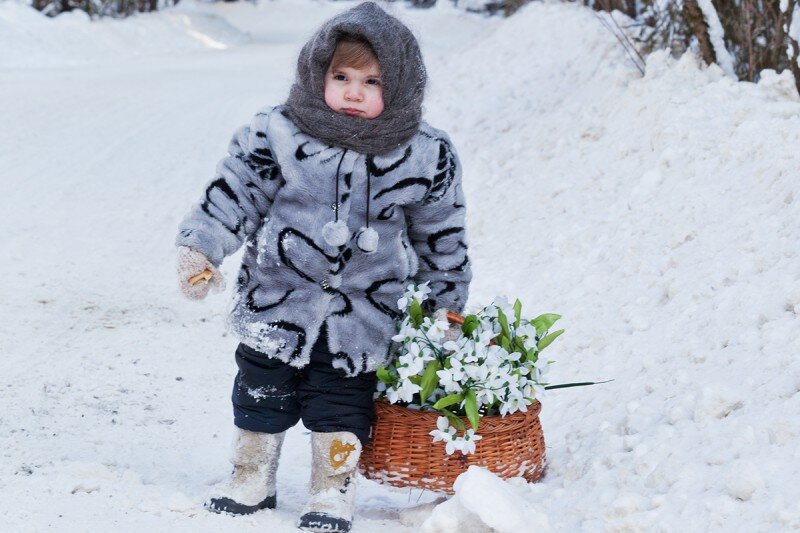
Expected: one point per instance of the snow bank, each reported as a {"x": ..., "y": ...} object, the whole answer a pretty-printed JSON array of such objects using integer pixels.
[
  {"x": 658, "y": 215},
  {"x": 484, "y": 502},
  {"x": 32, "y": 40}
]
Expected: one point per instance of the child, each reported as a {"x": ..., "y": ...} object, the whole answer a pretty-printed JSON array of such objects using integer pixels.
[{"x": 342, "y": 196}]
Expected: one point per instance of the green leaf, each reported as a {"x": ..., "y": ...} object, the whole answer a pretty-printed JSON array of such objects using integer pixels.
[
  {"x": 518, "y": 345},
  {"x": 582, "y": 384},
  {"x": 447, "y": 401},
  {"x": 501, "y": 318},
  {"x": 385, "y": 376},
  {"x": 471, "y": 323},
  {"x": 415, "y": 312},
  {"x": 416, "y": 380},
  {"x": 532, "y": 355},
  {"x": 471, "y": 407},
  {"x": 429, "y": 380},
  {"x": 455, "y": 420},
  {"x": 543, "y": 322},
  {"x": 545, "y": 342},
  {"x": 504, "y": 343},
  {"x": 517, "y": 313}
]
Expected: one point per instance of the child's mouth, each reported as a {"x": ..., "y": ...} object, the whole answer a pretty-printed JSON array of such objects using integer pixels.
[{"x": 350, "y": 111}]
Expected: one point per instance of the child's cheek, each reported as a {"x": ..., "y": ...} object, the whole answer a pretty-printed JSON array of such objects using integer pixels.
[
  {"x": 378, "y": 107},
  {"x": 330, "y": 97}
]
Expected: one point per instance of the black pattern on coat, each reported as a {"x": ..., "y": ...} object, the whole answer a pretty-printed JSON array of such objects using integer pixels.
[
  {"x": 221, "y": 185},
  {"x": 445, "y": 172}
]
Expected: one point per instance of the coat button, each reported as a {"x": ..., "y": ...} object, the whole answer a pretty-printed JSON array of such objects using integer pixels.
[{"x": 331, "y": 282}]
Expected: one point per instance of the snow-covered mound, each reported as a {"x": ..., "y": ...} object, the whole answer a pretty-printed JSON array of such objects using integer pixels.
[
  {"x": 484, "y": 502},
  {"x": 31, "y": 40},
  {"x": 657, "y": 214}
]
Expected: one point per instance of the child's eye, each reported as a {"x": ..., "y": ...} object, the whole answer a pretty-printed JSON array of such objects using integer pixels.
[
  {"x": 374, "y": 82},
  {"x": 339, "y": 77}
]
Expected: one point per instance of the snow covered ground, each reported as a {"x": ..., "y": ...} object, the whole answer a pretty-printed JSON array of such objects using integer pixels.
[{"x": 659, "y": 215}]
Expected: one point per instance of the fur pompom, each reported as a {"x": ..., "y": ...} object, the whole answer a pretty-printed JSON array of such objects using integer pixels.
[
  {"x": 367, "y": 240},
  {"x": 336, "y": 233}
]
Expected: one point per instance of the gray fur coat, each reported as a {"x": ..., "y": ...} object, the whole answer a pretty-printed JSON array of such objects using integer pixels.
[{"x": 276, "y": 191}]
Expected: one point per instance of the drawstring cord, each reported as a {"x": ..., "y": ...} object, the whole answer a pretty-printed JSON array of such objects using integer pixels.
[
  {"x": 336, "y": 233},
  {"x": 369, "y": 179},
  {"x": 336, "y": 200}
]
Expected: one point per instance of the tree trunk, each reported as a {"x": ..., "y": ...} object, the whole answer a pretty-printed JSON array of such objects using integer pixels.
[{"x": 697, "y": 22}]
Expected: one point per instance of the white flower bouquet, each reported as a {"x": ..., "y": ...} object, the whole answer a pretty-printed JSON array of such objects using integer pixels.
[{"x": 491, "y": 365}]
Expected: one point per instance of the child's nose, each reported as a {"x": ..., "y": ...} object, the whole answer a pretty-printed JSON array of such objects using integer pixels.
[{"x": 353, "y": 94}]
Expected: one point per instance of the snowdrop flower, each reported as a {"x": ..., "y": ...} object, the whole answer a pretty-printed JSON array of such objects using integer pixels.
[
  {"x": 413, "y": 350},
  {"x": 542, "y": 365},
  {"x": 513, "y": 405},
  {"x": 452, "y": 346},
  {"x": 393, "y": 397},
  {"x": 499, "y": 379},
  {"x": 406, "y": 332},
  {"x": 484, "y": 397},
  {"x": 469, "y": 440},
  {"x": 450, "y": 378},
  {"x": 443, "y": 431},
  {"x": 413, "y": 292},
  {"x": 452, "y": 445},
  {"x": 409, "y": 366},
  {"x": 513, "y": 356},
  {"x": 403, "y": 391},
  {"x": 457, "y": 368},
  {"x": 485, "y": 336},
  {"x": 474, "y": 355},
  {"x": 526, "y": 330},
  {"x": 538, "y": 390},
  {"x": 438, "y": 330},
  {"x": 503, "y": 303},
  {"x": 426, "y": 354},
  {"x": 465, "y": 444},
  {"x": 477, "y": 372}
]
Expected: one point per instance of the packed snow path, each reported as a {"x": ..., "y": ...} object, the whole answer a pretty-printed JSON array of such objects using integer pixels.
[{"x": 659, "y": 215}]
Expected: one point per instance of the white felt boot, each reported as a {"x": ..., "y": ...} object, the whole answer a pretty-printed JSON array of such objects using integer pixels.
[
  {"x": 251, "y": 486},
  {"x": 334, "y": 459}
]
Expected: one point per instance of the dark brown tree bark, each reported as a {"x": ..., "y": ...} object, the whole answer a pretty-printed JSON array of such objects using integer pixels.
[{"x": 697, "y": 23}]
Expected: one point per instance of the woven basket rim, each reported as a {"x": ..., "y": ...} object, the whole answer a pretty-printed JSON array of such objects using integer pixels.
[{"x": 487, "y": 422}]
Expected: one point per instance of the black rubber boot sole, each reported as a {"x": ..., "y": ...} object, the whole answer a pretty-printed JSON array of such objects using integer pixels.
[
  {"x": 324, "y": 522},
  {"x": 226, "y": 505}
]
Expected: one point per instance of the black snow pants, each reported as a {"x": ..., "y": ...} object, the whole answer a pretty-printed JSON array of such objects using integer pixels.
[{"x": 270, "y": 396}]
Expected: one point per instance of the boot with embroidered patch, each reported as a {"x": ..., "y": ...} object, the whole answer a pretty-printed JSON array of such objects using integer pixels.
[
  {"x": 334, "y": 459},
  {"x": 251, "y": 486}
]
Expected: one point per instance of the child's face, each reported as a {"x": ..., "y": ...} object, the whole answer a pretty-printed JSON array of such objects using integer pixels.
[{"x": 355, "y": 92}]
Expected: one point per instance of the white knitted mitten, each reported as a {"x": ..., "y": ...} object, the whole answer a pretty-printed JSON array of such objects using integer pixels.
[{"x": 192, "y": 263}]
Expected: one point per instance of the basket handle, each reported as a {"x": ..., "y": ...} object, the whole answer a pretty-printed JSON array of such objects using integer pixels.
[{"x": 455, "y": 318}]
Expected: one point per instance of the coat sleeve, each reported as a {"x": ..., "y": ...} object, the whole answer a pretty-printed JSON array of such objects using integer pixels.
[
  {"x": 237, "y": 199},
  {"x": 436, "y": 229}
]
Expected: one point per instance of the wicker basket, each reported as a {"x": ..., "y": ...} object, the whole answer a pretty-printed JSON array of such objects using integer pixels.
[{"x": 402, "y": 452}]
